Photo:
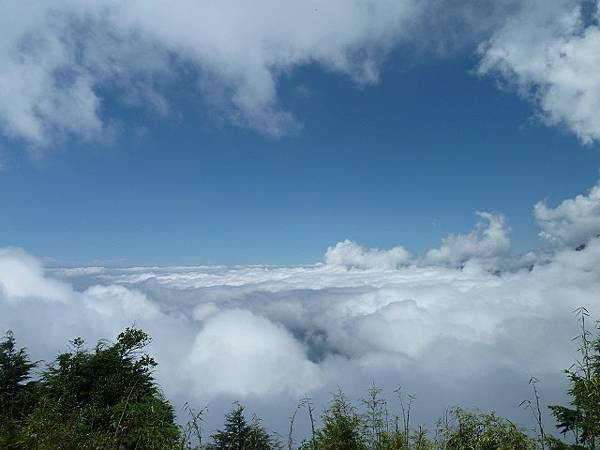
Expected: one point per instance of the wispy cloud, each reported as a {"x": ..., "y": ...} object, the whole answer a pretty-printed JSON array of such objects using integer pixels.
[
  {"x": 549, "y": 52},
  {"x": 57, "y": 56}
]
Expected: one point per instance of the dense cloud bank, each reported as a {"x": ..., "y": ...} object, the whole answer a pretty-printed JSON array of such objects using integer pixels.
[
  {"x": 62, "y": 61},
  {"x": 466, "y": 322}
]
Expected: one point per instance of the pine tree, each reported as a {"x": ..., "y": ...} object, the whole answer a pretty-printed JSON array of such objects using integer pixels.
[
  {"x": 239, "y": 435},
  {"x": 16, "y": 391}
]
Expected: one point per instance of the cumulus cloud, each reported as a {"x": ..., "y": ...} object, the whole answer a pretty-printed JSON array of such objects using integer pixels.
[
  {"x": 223, "y": 345},
  {"x": 60, "y": 58},
  {"x": 350, "y": 254},
  {"x": 271, "y": 334},
  {"x": 22, "y": 277},
  {"x": 56, "y": 57},
  {"x": 571, "y": 223},
  {"x": 488, "y": 243},
  {"x": 277, "y": 332},
  {"x": 238, "y": 351},
  {"x": 550, "y": 51}
]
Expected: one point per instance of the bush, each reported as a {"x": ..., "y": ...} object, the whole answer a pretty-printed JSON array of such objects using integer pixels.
[{"x": 106, "y": 398}]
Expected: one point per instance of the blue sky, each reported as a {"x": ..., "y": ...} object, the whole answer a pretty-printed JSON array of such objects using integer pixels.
[
  {"x": 405, "y": 160},
  {"x": 282, "y": 132}
]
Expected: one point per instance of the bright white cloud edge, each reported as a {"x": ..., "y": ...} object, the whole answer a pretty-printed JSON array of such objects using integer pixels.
[
  {"x": 58, "y": 57},
  {"x": 468, "y": 311}
]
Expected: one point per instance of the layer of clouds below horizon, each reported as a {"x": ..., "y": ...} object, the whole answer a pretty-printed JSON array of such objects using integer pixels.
[
  {"x": 59, "y": 58},
  {"x": 466, "y": 323}
]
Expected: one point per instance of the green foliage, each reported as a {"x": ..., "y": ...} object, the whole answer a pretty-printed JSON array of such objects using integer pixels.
[
  {"x": 556, "y": 444},
  {"x": 106, "y": 398},
  {"x": 582, "y": 418},
  {"x": 240, "y": 435},
  {"x": 191, "y": 432},
  {"x": 398, "y": 440},
  {"x": 375, "y": 418},
  {"x": 17, "y": 393},
  {"x": 343, "y": 427},
  {"x": 101, "y": 399},
  {"x": 481, "y": 431},
  {"x": 15, "y": 370},
  {"x": 420, "y": 440}
]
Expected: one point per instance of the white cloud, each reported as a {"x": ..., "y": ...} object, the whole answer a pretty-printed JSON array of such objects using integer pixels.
[
  {"x": 489, "y": 242},
  {"x": 56, "y": 56},
  {"x": 550, "y": 52},
  {"x": 571, "y": 223},
  {"x": 242, "y": 353},
  {"x": 112, "y": 300},
  {"x": 59, "y": 58},
  {"x": 351, "y": 255},
  {"x": 271, "y": 334},
  {"x": 22, "y": 277}
]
